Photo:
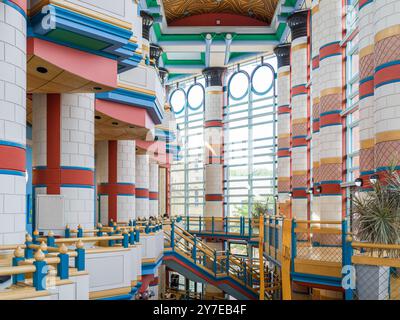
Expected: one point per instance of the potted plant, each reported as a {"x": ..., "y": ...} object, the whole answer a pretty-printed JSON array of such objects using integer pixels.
[{"x": 376, "y": 220}]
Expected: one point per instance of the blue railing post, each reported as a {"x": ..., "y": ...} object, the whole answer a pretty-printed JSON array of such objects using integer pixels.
[
  {"x": 18, "y": 257},
  {"x": 269, "y": 235},
  {"x": 80, "y": 232},
  {"x": 347, "y": 253},
  {"x": 172, "y": 235},
  {"x": 28, "y": 250},
  {"x": 276, "y": 238},
  {"x": 137, "y": 234},
  {"x": 194, "y": 250},
  {"x": 80, "y": 258},
  {"x": 39, "y": 276},
  {"x": 63, "y": 266},
  {"x": 200, "y": 222},
  {"x": 99, "y": 233},
  {"x": 67, "y": 232},
  {"x": 187, "y": 223},
  {"x": 226, "y": 225},
  {"x": 241, "y": 226},
  {"x": 244, "y": 272},
  {"x": 50, "y": 239},
  {"x": 147, "y": 229},
  {"x": 215, "y": 262},
  {"x": 35, "y": 236},
  {"x": 250, "y": 229},
  {"x": 111, "y": 242},
  {"x": 212, "y": 225},
  {"x": 132, "y": 235},
  {"x": 294, "y": 240},
  {"x": 125, "y": 240},
  {"x": 227, "y": 262}
]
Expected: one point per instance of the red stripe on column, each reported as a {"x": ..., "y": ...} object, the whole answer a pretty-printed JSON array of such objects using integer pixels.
[
  {"x": 113, "y": 189},
  {"x": 283, "y": 109},
  {"x": 142, "y": 193},
  {"x": 153, "y": 195},
  {"x": 55, "y": 177},
  {"x": 297, "y": 90},
  {"x": 213, "y": 123},
  {"x": 366, "y": 88},
  {"x": 283, "y": 153},
  {"x": 299, "y": 193},
  {"x": 315, "y": 63},
  {"x": 12, "y": 158},
  {"x": 297, "y": 142},
  {"x": 53, "y": 142},
  {"x": 331, "y": 189},
  {"x": 329, "y": 119},
  {"x": 214, "y": 197},
  {"x": 316, "y": 126},
  {"x": 330, "y": 50},
  {"x": 386, "y": 75}
]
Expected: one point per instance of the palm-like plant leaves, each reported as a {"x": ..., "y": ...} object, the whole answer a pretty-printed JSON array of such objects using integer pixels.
[{"x": 377, "y": 212}]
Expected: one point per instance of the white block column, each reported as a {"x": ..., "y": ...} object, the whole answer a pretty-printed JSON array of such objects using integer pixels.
[
  {"x": 153, "y": 189},
  {"x": 63, "y": 153},
  {"x": 387, "y": 84},
  {"x": 331, "y": 106},
  {"x": 315, "y": 100},
  {"x": 282, "y": 53},
  {"x": 115, "y": 177},
  {"x": 142, "y": 186},
  {"x": 213, "y": 135},
  {"x": 366, "y": 103},
  {"x": 12, "y": 123},
  {"x": 298, "y": 23}
]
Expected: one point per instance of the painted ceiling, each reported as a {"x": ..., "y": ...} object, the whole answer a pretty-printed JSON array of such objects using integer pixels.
[
  {"x": 182, "y": 27},
  {"x": 261, "y": 10}
]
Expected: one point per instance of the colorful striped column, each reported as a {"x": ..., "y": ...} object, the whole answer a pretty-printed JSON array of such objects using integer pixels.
[
  {"x": 153, "y": 189},
  {"x": 282, "y": 53},
  {"x": 115, "y": 177},
  {"x": 387, "y": 84},
  {"x": 142, "y": 186},
  {"x": 298, "y": 23},
  {"x": 63, "y": 154},
  {"x": 12, "y": 122},
  {"x": 331, "y": 105},
  {"x": 366, "y": 104},
  {"x": 315, "y": 99},
  {"x": 213, "y": 151}
]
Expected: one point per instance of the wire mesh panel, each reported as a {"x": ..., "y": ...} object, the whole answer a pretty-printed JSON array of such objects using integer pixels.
[
  {"x": 376, "y": 272},
  {"x": 316, "y": 240}
]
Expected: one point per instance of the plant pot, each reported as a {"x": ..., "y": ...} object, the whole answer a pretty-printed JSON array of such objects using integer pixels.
[{"x": 372, "y": 282}]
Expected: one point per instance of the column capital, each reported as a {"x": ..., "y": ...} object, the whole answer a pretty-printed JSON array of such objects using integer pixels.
[
  {"x": 297, "y": 23},
  {"x": 282, "y": 53},
  {"x": 155, "y": 53},
  {"x": 147, "y": 22},
  {"x": 214, "y": 76}
]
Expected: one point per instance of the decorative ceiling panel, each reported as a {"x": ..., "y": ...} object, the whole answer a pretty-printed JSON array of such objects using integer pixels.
[{"x": 262, "y": 10}]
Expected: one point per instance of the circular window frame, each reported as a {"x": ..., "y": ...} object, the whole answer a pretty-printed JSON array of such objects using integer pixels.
[
  {"x": 248, "y": 86},
  {"x": 184, "y": 104},
  {"x": 272, "y": 82},
  {"x": 196, "y": 84}
]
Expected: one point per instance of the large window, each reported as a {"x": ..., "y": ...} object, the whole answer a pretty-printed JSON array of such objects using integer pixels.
[
  {"x": 352, "y": 95},
  {"x": 249, "y": 142},
  {"x": 187, "y": 178},
  {"x": 250, "y": 139}
]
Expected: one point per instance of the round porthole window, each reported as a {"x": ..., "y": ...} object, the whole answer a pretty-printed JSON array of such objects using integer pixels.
[
  {"x": 262, "y": 79},
  {"x": 195, "y": 96},
  {"x": 178, "y": 100},
  {"x": 239, "y": 85}
]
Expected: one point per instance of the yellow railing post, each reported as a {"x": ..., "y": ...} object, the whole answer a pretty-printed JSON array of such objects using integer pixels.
[
  {"x": 286, "y": 259},
  {"x": 261, "y": 257}
]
